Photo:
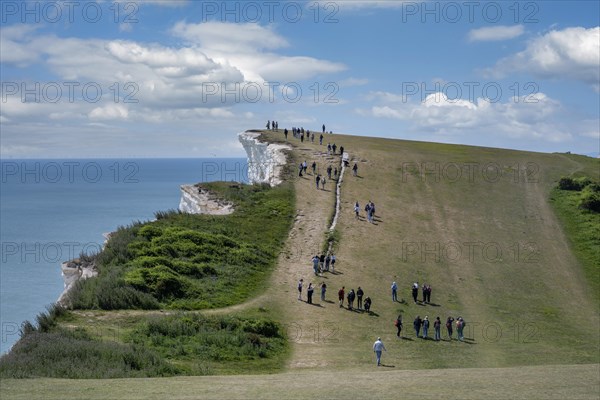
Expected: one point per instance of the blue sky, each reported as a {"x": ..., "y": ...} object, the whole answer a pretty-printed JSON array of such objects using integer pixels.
[{"x": 182, "y": 78}]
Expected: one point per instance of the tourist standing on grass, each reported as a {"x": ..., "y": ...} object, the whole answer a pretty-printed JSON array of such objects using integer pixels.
[
  {"x": 355, "y": 169},
  {"x": 314, "y": 167},
  {"x": 300, "y": 282},
  {"x": 368, "y": 304},
  {"x": 329, "y": 169},
  {"x": 449, "y": 327},
  {"x": 378, "y": 347},
  {"x": 317, "y": 180},
  {"x": 417, "y": 325},
  {"x": 333, "y": 148},
  {"x": 437, "y": 324},
  {"x": 323, "y": 290},
  {"x": 323, "y": 183},
  {"x": 285, "y": 133},
  {"x": 321, "y": 139},
  {"x": 300, "y": 168},
  {"x": 323, "y": 128},
  {"x": 329, "y": 149},
  {"x": 335, "y": 173},
  {"x": 428, "y": 294},
  {"x": 394, "y": 292},
  {"x": 332, "y": 262},
  {"x": 415, "y": 291},
  {"x": 359, "y": 296},
  {"x": 357, "y": 210},
  {"x": 327, "y": 262},
  {"x": 268, "y": 124},
  {"x": 341, "y": 293},
  {"x": 342, "y": 150},
  {"x": 398, "y": 324},
  {"x": 322, "y": 262},
  {"x": 309, "y": 293},
  {"x": 425, "y": 327},
  {"x": 351, "y": 296},
  {"x": 304, "y": 166},
  {"x": 424, "y": 293},
  {"x": 460, "y": 326}
]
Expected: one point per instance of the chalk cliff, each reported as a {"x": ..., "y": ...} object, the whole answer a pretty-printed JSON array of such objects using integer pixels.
[{"x": 265, "y": 160}]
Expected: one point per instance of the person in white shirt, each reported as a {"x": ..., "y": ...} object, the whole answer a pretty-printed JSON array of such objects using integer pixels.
[{"x": 377, "y": 348}]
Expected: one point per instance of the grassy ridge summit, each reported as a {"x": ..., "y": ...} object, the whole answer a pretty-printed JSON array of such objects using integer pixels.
[{"x": 475, "y": 223}]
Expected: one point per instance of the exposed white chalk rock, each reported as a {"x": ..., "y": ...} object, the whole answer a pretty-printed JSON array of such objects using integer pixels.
[
  {"x": 196, "y": 200},
  {"x": 265, "y": 160}
]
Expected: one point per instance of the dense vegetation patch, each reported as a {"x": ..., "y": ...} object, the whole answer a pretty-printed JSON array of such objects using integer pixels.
[
  {"x": 577, "y": 203},
  {"x": 192, "y": 262},
  {"x": 202, "y": 345},
  {"x": 160, "y": 346}
]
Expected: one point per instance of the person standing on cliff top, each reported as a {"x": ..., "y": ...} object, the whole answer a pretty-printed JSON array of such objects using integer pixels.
[
  {"x": 268, "y": 124},
  {"x": 323, "y": 128}
]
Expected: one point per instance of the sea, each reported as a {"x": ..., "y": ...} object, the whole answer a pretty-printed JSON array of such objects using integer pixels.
[{"x": 53, "y": 210}]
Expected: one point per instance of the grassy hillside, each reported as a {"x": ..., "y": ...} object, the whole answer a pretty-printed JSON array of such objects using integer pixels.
[{"x": 476, "y": 224}]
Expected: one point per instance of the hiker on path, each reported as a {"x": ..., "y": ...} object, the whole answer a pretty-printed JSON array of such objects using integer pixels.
[
  {"x": 394, "y": 292},
  {"x": 377, "y": 348},
  {"x": 449, "y": 326},
  {"x": 341, "y": 296},
  {"x": 436, "y": 327},
  {"x": 315, "y": 261},
  {"x": 359, "y": 296},
  {"x": 309, "y": 293},
  {"x": 417, "y": 325},
  {"x": 398, "y": 324},
  {"x": 355, "y": 169},
  {"x": 425, "y": 327},
  {"x": 300, "y": 282},
  {"x": 323, "y": 290},
  {"x": 415, "y": 291}
]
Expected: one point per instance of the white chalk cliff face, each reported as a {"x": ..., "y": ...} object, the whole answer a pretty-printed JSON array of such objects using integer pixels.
[
  {"x": 200, "y": 201},
  {"x": 265, "y": 160}
]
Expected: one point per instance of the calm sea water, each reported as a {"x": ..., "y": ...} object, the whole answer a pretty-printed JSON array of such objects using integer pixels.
[{"x": 52, "y": 210}]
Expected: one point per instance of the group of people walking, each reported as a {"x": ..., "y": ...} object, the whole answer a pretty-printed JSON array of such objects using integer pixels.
[
  {"x": 421, "y": 327},
  {"x": 324, "y": 263},
  {"x": 369, "y": 209},
  {"x": 351, "y": 296}
]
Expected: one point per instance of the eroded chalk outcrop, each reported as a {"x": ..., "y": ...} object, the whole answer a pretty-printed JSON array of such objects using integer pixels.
[
  {"x": 266, "y": 161},
  {"x": 72, "y": 272},
  {"x": 197, "y": 200}
]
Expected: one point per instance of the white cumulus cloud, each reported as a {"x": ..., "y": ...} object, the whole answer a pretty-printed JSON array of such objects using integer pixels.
[{"x": 496, "y": 33}]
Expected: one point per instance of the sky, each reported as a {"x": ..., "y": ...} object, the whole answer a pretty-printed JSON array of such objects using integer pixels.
[{"x": 143, "y": 78}]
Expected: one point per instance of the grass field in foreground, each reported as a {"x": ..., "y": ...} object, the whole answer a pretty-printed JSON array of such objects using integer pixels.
[{"x": 541, "y": 382}]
